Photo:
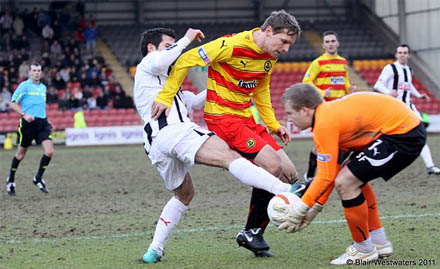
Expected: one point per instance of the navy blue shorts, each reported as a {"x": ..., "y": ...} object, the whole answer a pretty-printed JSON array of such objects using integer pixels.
[{"x": 387, "y": 155}]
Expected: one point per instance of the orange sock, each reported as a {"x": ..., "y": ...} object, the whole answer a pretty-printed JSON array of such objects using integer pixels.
[
  {"x": 373, "y": 211},
  {"x": 356, "y": 214}
]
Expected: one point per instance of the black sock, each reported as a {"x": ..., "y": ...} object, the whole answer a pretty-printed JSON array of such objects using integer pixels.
[
  {"x": 257, "y": 217},
  {"x": 43, "y": 165},
  {"x": 312, "y": 165},
  {"x": 14, "y": 166}
]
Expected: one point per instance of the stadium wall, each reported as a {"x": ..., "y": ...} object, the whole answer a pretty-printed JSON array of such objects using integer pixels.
[{"x": 421, "y": 20}]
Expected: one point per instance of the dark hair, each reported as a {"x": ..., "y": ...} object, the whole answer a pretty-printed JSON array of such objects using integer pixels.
[
  {"x": 404, "y": 46},
  {"x": 154, "y": 36},
  {"x": 280, "y": 20},
  {"x": 326, "y": 33},
  {"x": 34, "y": 63}
]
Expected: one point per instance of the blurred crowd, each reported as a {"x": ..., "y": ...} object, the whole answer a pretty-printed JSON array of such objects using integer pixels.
[{"x": 63, "y": 42}]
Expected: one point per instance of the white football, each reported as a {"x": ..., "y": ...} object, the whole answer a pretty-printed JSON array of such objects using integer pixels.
[{"x": 285, "y": 198}]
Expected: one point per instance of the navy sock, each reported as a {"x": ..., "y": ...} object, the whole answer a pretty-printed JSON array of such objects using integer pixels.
[
  {"x": 43, "y": 165},
  {"x": 14, "y": 166},
  {"x": 257, "y": 217}
]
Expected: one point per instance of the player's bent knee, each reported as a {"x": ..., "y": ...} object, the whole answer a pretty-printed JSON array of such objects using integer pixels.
[
  {"x": 49, "y": 153},
  {"x": 269, "y": 160},
  {"x": 185, "y": 197}
]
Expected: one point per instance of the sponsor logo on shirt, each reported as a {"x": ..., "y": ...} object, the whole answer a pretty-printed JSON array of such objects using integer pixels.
[
  {"x": 323, "y": 157},
  {"x": 247, "y": 84},
  {"x": 404, "y": 86},
  {"x": 336, "y": 80},
  {"x": 204, "y": 56}
]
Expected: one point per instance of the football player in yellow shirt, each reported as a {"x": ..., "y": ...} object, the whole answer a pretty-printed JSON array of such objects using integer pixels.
[{"x": 329, "y": 74}]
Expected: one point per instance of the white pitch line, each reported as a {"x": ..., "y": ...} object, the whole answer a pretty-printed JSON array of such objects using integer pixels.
[{"x": 189, "y": 230}]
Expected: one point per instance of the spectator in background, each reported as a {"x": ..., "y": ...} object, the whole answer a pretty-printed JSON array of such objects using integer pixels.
[
  {"x": 24, "y": 53},
  {"x": 64, "y": 74},
  {"x": 91, "y": 102},
  {"x": 4, "y": 42},
  {"x": 6, "y": 22},
  {"x": 83, "y": 79},
  {"x": 51, "y": 96},
  {"x": 23, "y": 44},
  {"x": 4, "y": 105},
  {"x": 63, "y": 102},
  {"x": 43, "y": 19},
  {"x": 5, "y": 100},
  {"x": 23, "y": 71},
  {"x": 45, "y": 48},
  {"x": 74, "y": 102},
  {"x": 93, "y": 81},
  {"x": 47, "y": 33},
  {"x": 90, "y": 36},
  {"x": 12, "y": 75},
  {"x": 102, "y": 101},
  {"x": 58, "y": 82},
  {"x": 55, "y": 48},
  {"x": 18, "y": 25}
]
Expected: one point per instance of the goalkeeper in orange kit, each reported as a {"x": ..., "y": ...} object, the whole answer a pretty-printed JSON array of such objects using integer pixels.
[{"x": 382, "y": 143}]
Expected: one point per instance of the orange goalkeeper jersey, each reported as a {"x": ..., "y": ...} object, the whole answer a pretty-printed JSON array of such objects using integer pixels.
[
  {"x": 238, "y": 71},
  {"x": 365, "y": 116},
  {"x": 329, "y": 72}
]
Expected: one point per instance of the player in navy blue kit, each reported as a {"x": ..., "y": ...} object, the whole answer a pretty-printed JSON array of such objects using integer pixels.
[{"x": 31, "y": 94}]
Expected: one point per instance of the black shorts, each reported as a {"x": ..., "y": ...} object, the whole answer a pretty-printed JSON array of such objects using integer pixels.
[
  {"x": 38, "y": 129},
  {"x": 387, "y": 155}
]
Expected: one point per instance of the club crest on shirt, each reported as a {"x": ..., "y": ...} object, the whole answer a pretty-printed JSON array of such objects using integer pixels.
[
  {"x": 267, "y": 65},
  {"x": 204, "y": 56},
  {"x": 323, "y": 157},
  {"x": 250, "y": 143}
]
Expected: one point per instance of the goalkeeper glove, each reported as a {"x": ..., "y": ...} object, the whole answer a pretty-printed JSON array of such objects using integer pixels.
[
  {"x": 310, "y": 215},
  {"x": 292, "y": 215}
]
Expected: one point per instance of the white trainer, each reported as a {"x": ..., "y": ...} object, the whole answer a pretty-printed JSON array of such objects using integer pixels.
[
  {"x": 385, "y": 250},
  {"x": 433, "y": 170},
  {"x": 352, "y": 254}
]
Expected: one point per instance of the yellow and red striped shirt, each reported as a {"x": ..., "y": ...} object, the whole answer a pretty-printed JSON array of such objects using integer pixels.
[
  {"x": 238, "y": 71},
  {"x": 329, "y": 72}
]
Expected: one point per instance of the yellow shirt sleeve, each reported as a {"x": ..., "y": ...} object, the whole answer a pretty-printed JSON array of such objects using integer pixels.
[
  {"x": 311, "y": 73},
  {"x": 215, "y": 51},
  {"x": 261, "y": 98},
  {"x": 347, "y": 82}
]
